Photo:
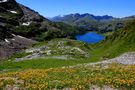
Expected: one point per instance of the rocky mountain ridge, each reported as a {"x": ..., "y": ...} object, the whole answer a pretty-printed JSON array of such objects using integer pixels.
[
  {"x": 92, "y": 22},
  {"x": 77, "y": 16},
  {"x": 13, "y": 15}
]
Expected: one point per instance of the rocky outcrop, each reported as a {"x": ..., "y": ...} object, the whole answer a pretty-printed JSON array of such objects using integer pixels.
[
  {"x": 10, "y": 46},
  {"x": 65, "y": 49},
  {"x": 12, "y": 17},
  {"x": 10, "y": 9},
  {"x": 127, "y": 59},
  {"x": 30, "y": 15}
]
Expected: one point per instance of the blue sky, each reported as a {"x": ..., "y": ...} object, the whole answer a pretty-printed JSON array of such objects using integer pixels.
[{"x": 50, "y": 8}]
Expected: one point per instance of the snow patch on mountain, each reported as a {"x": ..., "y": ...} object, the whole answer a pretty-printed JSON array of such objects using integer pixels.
[
  {"x": 1, "y": 1},
  {"x": 13, "y": 12},
  {"x": 7, "y": 41},
  {"x": 26, "y": 24}
]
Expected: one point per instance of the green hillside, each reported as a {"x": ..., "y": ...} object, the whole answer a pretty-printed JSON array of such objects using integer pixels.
[{"x": 117, "y": 42}]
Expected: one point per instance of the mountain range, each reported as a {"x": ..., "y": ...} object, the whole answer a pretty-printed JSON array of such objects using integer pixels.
[
  {"x": 76, "y": 17},
  {"x": 93, "y": 23}
]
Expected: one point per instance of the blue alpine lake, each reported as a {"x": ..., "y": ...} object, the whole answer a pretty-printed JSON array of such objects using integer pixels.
[{"x": 90, "y": 37}]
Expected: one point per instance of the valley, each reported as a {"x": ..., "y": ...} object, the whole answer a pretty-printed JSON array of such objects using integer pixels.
[{"x": 73, "y": 52}]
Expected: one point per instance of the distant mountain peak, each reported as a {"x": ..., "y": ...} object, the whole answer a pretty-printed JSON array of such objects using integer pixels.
[
  {"x": 92, "y": 22},
  {"x": 78, "y": 15}
]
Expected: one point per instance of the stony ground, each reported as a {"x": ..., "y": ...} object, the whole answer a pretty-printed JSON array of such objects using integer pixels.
[{"x": 125, "y": 59}]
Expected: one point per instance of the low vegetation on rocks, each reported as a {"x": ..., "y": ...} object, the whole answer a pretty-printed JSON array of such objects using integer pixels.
[{"x": 58, "y": 48}]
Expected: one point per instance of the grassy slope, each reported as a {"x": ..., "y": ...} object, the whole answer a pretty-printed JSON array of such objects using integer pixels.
[
  {"x": 48, "y": 63},
  {"x": 118, "y": 42},
  {"x": 38, "y": 64}
]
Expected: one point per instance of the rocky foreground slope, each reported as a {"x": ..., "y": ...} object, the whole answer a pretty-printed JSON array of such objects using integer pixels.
[{"x": 14, "y": 45}]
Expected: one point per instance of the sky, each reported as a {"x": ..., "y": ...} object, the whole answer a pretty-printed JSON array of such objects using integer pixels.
[{"x": 51, "y": 8}]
